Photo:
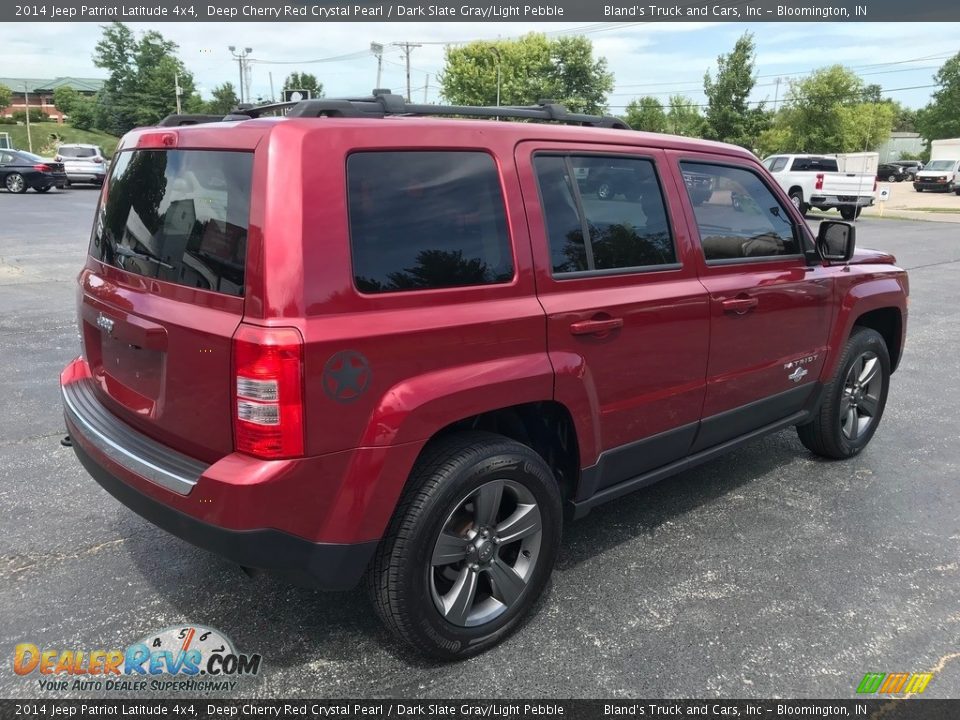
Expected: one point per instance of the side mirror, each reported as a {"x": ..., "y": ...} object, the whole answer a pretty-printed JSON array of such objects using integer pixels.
[{"x": 836, "y": 240}]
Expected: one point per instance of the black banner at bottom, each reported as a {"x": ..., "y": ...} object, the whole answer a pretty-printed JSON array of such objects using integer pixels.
[{"x": 893, "y": 709}]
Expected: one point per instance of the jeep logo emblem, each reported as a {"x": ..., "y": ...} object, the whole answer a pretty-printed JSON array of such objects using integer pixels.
[{"x": 104, "y": 323}]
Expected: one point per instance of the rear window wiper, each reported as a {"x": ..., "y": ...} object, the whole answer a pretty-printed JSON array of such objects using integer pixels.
[{"x": 124, "y": 251}]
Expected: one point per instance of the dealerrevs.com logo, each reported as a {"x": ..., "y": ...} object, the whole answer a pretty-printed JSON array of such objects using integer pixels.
[{"x": 177, "y": 659}]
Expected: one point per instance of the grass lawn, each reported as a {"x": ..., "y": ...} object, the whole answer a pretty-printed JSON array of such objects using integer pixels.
[{"x": 45, "y": 145}]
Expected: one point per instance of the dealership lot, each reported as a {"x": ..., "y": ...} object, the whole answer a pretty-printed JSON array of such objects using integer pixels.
[{"x": 765, "y": 573}]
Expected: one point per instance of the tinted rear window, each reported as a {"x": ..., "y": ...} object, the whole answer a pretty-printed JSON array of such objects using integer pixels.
[
  {"x": 179, "y": 216},
  {"x": 422, "y": 220},
  {"x": 76, "y": 152},
  {"x": 814, "y": 165}
]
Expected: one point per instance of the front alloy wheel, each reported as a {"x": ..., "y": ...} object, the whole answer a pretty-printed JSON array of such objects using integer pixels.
[
  {"x": 486, "y": 553},
  {"x": 853, "y": 400},
  {"x": 860, "y": 401},
  {"x": 15, "y": 183}
]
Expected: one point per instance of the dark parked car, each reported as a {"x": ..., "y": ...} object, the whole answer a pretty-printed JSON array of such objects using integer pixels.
[
  {"x": 910, "y": 167},
  {"x": 891, "y": 172},
  {"x": 20, "y": 170}
]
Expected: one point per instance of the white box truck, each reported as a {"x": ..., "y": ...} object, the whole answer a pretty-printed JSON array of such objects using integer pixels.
[{"x": 943, "y": 171}]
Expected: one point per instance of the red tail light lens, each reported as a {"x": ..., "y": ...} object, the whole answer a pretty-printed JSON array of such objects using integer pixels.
[
  {"x": 819, "y": 184},
  {"x": 268, "y": 392},
  {"x": 42, "y": 168},
  {"x": 98, "y": 161}
]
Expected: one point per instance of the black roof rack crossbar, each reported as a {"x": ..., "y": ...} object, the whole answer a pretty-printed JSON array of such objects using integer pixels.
[{"x": 383, "y": 103}]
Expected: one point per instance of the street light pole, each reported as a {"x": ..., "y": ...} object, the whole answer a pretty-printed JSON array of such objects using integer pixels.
[
  {"x": 26, "y": 102},
  {"x": 496, "y": 52},
  {"x": 377, "y": 49},
  {"x": 241, "y": 58}
]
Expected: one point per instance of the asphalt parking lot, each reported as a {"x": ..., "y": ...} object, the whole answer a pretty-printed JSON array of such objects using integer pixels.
[{"x": 767, "y": 573}]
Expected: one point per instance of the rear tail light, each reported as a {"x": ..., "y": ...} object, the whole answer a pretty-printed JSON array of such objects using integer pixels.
[
  {"x": 819, "y": 185},
  {"x": 268, "y": 392},
  {"x": 42, "y": 168},
  {"x": 98, "y": 161}
]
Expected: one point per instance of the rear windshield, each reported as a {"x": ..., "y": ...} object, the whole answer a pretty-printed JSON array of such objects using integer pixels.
[
  {"x": 179, "y": 216},
  {"x": 814, "y": 164},
  {"x": 76, "y": 152}
]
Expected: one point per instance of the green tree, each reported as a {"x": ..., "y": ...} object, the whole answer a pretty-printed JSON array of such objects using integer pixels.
[
  {"x": 304, "y": 81},
  {"x": 64, "y": 99},
  {"x": 646, "y": 113},
  {"x": 224, "y": 100},
  {"x": 83, "y": 114},
  {"x": 941, "y": 117},
  {"x": 143, "y": 72},
  {"x": 729, "y": 116},
  {"x": 531, "y": 68},
  {"x": 684, "y": 117},
  {"x": 830, "y": 111},
  {"x": 6, "y": 97}
]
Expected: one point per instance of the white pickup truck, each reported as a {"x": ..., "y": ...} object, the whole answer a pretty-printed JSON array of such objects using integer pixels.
[{"x": 816, "y": 181}]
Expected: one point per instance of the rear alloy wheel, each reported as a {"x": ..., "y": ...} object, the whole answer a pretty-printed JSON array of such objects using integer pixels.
[
  {"x": 471, "y": 546},
  {"x": 15, "y": 183},
  {"x": 796, "y": 197},
  {"x": 853, "y": 401}
]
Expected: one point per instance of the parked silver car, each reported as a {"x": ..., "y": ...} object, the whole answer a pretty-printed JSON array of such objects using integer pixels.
[{"x": 83, "y": 163}]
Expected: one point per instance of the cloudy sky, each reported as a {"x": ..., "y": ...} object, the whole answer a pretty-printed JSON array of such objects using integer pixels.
[{"x": 646, "y": 58}]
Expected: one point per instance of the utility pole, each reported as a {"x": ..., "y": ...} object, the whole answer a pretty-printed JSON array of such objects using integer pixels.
[
  {"x": 26, "y": 101},
  {"x": 426, "y": 88},
  {"x": 177, "y": 90},
  {"x": 776, "y": 93},
  {"x": 407, "y": 48},
  {"x": 377, "y": 49},
  {"x": 273, "y": 98},
  {"x": 241, "y": 58}
]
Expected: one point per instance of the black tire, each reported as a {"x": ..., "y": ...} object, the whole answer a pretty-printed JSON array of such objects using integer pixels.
[
  {"x": 849, "y": 213},
  {"x": 15, "y": 183},
  {"x": 43, "y": 189},
  {"x": 404, "y": 578},
  {"x": 826, "y": 435},
  {"x": 919, "y": 189},
  {"x": 796, "y": 197}
]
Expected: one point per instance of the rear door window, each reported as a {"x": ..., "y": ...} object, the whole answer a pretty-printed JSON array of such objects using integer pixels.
[
  {"x": 426, "y": 220},
  {"x": 603, "y": 214},
  {"x": 179, "y": 216}
]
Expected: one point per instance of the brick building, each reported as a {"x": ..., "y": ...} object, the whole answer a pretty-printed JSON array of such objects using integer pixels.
[{"x": 40, "y": 93}]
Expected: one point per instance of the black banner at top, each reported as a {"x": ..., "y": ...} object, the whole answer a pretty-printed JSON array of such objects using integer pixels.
[{"x": 481, "y": 11}]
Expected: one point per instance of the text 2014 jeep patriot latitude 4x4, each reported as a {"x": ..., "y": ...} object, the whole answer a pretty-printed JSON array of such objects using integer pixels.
[{"x": 346, "y": 344}]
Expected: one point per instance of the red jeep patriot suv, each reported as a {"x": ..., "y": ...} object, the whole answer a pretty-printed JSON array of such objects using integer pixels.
[{"x": 356, "y": 342}]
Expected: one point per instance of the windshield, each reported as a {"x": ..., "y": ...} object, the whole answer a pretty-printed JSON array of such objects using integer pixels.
[
  {"x": 940, "y": 165},
  {"x": 179, "y": 216}
]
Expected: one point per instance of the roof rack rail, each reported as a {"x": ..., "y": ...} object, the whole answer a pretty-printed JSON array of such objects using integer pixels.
[
  {"x": 383, "y": 103},
  {"x": 179, "y": 120}
]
